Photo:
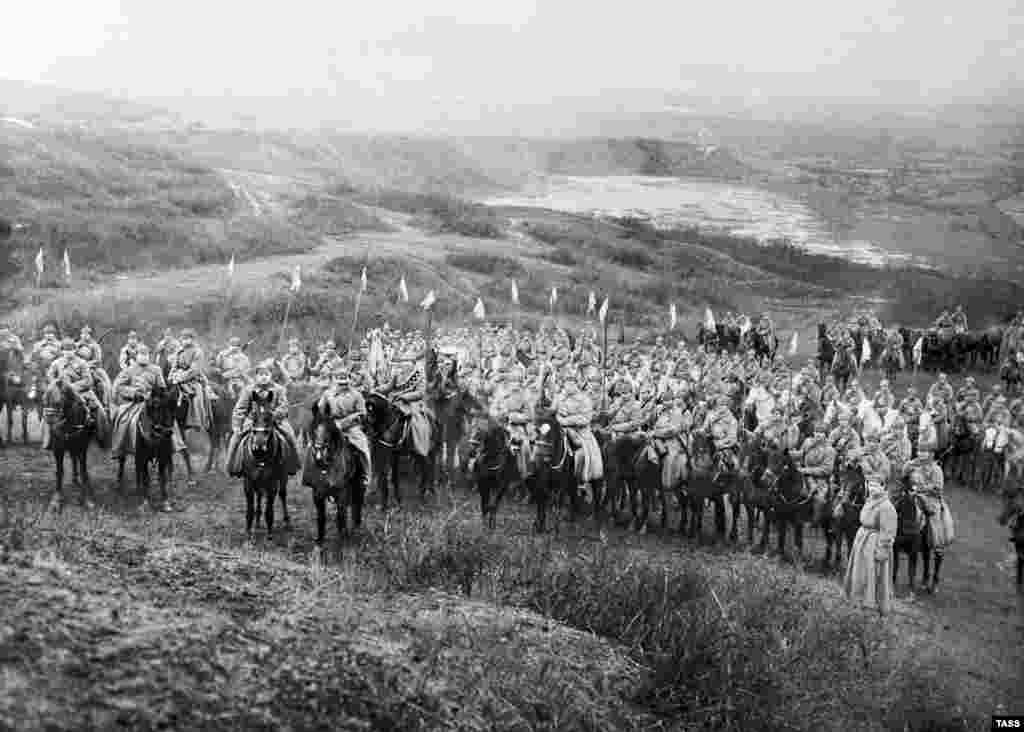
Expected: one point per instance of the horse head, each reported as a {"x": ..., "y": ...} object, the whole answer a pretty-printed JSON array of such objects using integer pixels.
[
  {"x": 159, "y": 412},
  {"x": 262, "y": 424},
  {"x": 382, "y": 417},
  {"x": 550, "y": 446}
]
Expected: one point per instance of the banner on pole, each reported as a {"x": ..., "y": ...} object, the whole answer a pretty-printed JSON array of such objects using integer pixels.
[
  {"x": 478, "y": 310},
  {"x": 403, "y": 291},
  {"x": 428, "y": 301},
  {"x": 296, "y": 279}
]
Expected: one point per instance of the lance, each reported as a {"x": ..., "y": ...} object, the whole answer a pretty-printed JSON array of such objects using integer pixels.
[
  {"x": 359, "y": 295},
  {"x": 604, "y": 364},
  {"x": 284, "y": 322}
]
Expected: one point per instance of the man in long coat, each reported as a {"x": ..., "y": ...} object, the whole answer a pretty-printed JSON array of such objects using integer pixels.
[
  {"x": 188, "y": 372},
  {"x": 262, "y": 389},
  {"x": 818, "y": 460},
  {"x": 347, "y": 408},
  {"x": 132, "y": 388}
]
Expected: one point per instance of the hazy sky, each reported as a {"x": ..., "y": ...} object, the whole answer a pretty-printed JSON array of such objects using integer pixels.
[{"x": 403, "y": 63}]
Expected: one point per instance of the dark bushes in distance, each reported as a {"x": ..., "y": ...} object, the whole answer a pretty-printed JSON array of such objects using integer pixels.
[{"x": 486, "y": 264}]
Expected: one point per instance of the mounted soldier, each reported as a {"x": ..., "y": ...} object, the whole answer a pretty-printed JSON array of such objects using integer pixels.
[
  {"x": 406, "y": 391},
  {"x": 262, "y": 390},
  {"x": 188, "y": 374},
  {"x": 944, "y": 322},
  {"x": 344, "y": 403},
  {"x": 75, "y": 372},
  {"x": 575, "y": 412},
  {"x": 958, "y": 320},
  {"x": 326, "y": 363},
  {"x": 129, "y": 351},
  {"x": 131, "y": 389},
  {"x": 92, "y": 353},
  {"x": 817, "y": 463},
  {"x": 294, "y": 365},
  {"x": 233, "y": 365},
  {"x": 845, "y": 440},
  {"x": 723, "y": 428},
  {"x": 166, "y": 350}
]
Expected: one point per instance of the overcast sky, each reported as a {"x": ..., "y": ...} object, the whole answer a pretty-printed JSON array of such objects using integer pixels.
[{"x": 406, "y": 63}]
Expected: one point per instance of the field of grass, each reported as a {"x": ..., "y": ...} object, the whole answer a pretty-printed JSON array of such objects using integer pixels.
[{"x": 424, "y": 621}]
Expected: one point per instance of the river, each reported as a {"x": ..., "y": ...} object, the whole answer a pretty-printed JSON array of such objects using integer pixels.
[{"x": 709, "y": 205}]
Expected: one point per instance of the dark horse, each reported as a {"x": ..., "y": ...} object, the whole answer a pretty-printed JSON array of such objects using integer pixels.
[
  {"x": 826, "y": 352},
  {"x": 332, "y": 470},
  {"x": 1012, "y": 516},
  {"x": 71, "y": 430},
  {"x": 913, "y": 538},
  {"x": 960, "y": 459},
  {"x": 634, "y": 480},
  {"x": 264, "y": 471},
  {"x": 844, "y": 365},
  {"x": 555, "y": 472},
  {"x": 220, "y": 420},
  {"x": 454, "y": 410},
  {"x": 16, "y": 391},
  {"x": 781, "y": 486},
  {"x": 764, "y": 345},
  {"x": 705, "y": 481},
  {"x": 387, "y": 427},
  {"x": 495, "y": 468},
  {"x": 153, "y": 445},
  {"x": 842, "y": 519}
]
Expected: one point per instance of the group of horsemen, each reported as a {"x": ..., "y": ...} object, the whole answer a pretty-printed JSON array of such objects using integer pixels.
[{"x": 662, "y": 394}]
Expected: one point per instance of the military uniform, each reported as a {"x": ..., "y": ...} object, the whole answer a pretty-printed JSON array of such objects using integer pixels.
[
  {"x": 845, "y": 440},
  {"x": 187, "y": 372},
  {"x": 126, "y": 357},
  {"x": 818, "y": 464},
  {"x": 241, "y": 422},
  {"x": 927, "y": 481},
  {"x": 347, "y": 409},
  {"x": 234, "y": 368},
  {"x": 132, "y": 387},
  {"x": 575, "y": 412},
  {"x": 294, "y": 365},
  {"x": 722, "y": 426},
  {"x": 76, "y": 373}
]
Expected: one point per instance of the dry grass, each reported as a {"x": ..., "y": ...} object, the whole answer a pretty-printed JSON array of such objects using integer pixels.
[{"x": 429, "y": 623}]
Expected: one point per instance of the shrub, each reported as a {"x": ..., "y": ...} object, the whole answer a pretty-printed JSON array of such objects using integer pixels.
[
  {"x": 562, "y": 256},
  {"x": 487, "y": 264}
]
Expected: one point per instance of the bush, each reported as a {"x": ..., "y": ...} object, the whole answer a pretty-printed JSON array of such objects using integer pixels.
[
  {"x": 486, "y": 264},
  {"x": 562, "y": 256}
]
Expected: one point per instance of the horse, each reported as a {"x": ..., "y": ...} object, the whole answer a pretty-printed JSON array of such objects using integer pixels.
[
  {"x": 1012, "y": 375},
  {"x": 388, "y": 434},
  {"x": 707, "y": 338},
  {"x": 843, "y": 367},
  {"x": 332, "y": 470},
  {"x": 704, "y": 482},
  {"x": 16, "y": 392},
  {"x": 153, "y": 444},
  {"x": 453, "y": 410},
  {"x": 914, "y": 538},
  {"x": 782, "y": 488},
  {"x": 842, "y": 518},
  {"x": 1012, "y": 516},
  {"x": 494, "y": 468},
  {"x": 764, "y": 346},
  {"x": 263, "y": 467},
  {"x": 181, "y": 410},
  {"x": 826, "y": 352},
  {"x": 554, "y": 471},
  {"x": 744, "y": 495},
  {"x": 221, "y": 408},
  {"x": 961, "y": 456},
  {"x": 71, "y": 430}
]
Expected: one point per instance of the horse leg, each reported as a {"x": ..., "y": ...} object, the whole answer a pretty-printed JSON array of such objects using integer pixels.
[
  {"x": 83, "y": 471},
  {"x": 250, "y": 507},
  {"x": 798, "y": 539},
  {"x": 357, "y": 495},
  {"x": 734, "y": 501},
  {"x": 320, "y": 505},
  {"x": 214, "y": 448},
  {"x": 57, "y": 502},
  {"x": 720, "y": 517},
  {"x": 926, "y": 561},
  {"x": 283, "y": 493},
  {"x": 937, "y": 556},
  {"x": 10, "y": 424},
  {"x": 120, "y": 474},
  {"x": 24, "y": 424},
  {"x": 783, "y": 530},
  {"x": 270, "y": 509},
  {"x": 896, "y": 549},
  {"x": 142, "y": 478}
]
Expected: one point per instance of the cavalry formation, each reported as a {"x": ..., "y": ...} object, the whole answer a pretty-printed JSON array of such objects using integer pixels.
[{"x": 620, "y": 432}]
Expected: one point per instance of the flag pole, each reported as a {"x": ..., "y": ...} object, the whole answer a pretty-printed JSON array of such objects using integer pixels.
[
  {"x": 284, "y": 322},
  {"x": 604, "y": 364},
  {"x": 359, "y": 299}
]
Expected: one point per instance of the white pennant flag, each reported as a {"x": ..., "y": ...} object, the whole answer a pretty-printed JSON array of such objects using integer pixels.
[
  {"x": 794, "y": 343},
  {"x": 296, "y": 279},
  {"x": 362, "y": 281},
  {"x": 591, "y": 303},
  {"x": 745, "y": 325},
  {"x": 67, "y": 265},
  {"x": 231, "y": 266},
  {"x": 39, "y": 262},
  {"x": 515, "y": 293},
  {"x": 672, "y": 317},
  {"x": 403, "y": 291},
  {"x": 478, "y": 310},
  {"x": 603, "y": 312},
  {"x": 918, "y": 350},
  {"x": 865, "y": 351},
  {"x": 554, "y": 296},
  {"x": 428, "y": 300},
  {"x": 709, "y": 319}
]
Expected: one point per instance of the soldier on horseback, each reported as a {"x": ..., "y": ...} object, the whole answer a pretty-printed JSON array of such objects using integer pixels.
[
  {"x": 344, "y": 403},
  {"x": 262, "y": 391},
  {"x": 92, "y": 353},
  {"x": 234, "y": 366},
  {"x": 818, "y": 461},
  {"x": 958, "y": 320},
  {"x": 294, "y": 364},
  {"x": 74, "y": 371},
  {"x": 845, "y": 440},
  {"x": 326, "y": 363},
  {"x": 132, "y": 387},
  {"x": 167, "y": 347},
  {"x": 944, "y": 321},
  {"x": 721, "y": 425},
  {"x": 406, "y": 391},
  {"x": 188, "y": 373},
  {"x": 129, "y": 351}
]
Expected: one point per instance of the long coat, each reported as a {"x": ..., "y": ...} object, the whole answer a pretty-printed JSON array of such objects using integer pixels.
[{"x": 869, "y": 573}]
